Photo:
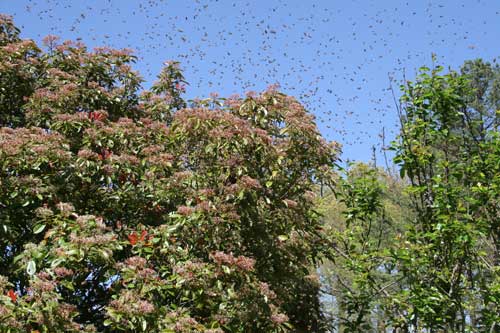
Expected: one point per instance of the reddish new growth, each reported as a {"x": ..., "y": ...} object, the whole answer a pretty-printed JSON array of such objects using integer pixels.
[
  {"x": 97, "y": 116},
  {"x": 203, "y": 206},
  {"x": 130, "y": 303},
  {"x": 133, "y": 237},
  {"x": 181, "y": 87},
  {"x": 105, "y": 154},
  {"x": 88, "y": 154},
  {"x": 189, "y": 270},
  {"x": 12, "y": 294},
  {"x": 63, "y": 272},
  {"x": 50, "y": 40},
  {"x": 266, "y": 290}
]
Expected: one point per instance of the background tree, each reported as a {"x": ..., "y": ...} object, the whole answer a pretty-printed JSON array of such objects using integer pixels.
[
  {"x": 484, "y": 102},
  {"x": 367, "y": 216}
]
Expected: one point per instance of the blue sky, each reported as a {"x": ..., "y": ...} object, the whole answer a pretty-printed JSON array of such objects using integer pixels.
[{"x": 335, "y": 56}]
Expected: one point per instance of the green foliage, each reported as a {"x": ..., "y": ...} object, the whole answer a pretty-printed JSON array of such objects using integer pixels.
[{"x": 128, "y": 212}]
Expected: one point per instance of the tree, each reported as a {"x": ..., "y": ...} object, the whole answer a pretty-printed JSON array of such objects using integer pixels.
[
  {"x": 447, "y": 149},
  {"x": 129, "y": 211}
]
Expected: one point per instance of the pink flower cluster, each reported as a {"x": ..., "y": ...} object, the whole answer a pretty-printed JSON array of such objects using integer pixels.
[
  {"x": 279, "y": 318},
  {"x": 290, "y": 203},
  {"x": 185, "y": 210},
  {"x": 250, "y": 183},
  {"x": 130, "y": 303},
  {"x": 62, "y": 272},
  {"x": 242, "y": 262},
  {"x": 189, "y": 270},
  {"x": 91, "y": 240},
  {"x": 266, "y": 290}
]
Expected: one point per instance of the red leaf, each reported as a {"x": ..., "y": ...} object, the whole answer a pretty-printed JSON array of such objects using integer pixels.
[
  {"x": 95, "y": 116},
  {"x": 105, "y": 154},
  {"x": 11, "y": 293},
  {"x": 132, "y": 238},
  {"x": 144, "y": 233}
]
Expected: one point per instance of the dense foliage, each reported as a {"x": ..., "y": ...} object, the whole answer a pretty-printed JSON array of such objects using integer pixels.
[
  {"x": 123, "y": 210},
  {"x": 419, "y": 252}
]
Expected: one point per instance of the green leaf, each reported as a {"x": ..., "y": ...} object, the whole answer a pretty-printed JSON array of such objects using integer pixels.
[
  {"x": 282, "y": 238},
  {"x": 31, "y": 268},
  {"x": 38, "y": 228},
  {"x": 105, "y": 254}
]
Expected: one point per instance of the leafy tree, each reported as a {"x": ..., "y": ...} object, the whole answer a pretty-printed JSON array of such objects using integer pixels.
[
  {"x": 128, "y": 211},
  {"x": 447, "y": 148}
]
